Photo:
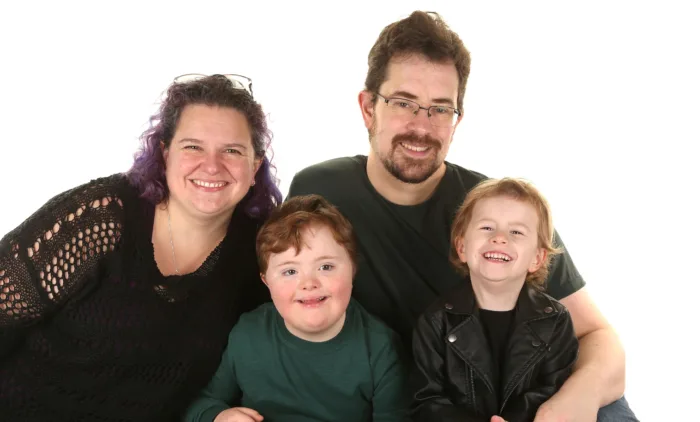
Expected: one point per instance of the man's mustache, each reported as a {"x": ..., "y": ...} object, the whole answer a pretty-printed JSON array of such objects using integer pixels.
[{"x": 412, "y": 138}]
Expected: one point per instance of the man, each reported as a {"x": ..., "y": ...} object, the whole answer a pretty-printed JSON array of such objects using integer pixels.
[{"x": 401, "y": 199}]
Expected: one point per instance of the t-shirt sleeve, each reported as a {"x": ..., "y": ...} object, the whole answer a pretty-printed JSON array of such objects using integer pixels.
[
  {"x": 564, "y": 279},
  {"x": 53, "y": 254},
  {"x": 391, "y": 399},
  {"x": 223, "y": 391}
]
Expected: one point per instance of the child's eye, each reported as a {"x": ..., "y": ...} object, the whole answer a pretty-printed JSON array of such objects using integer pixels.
[
  {"x": 327, "y": 267},
  {"x": 516, "y": 232},
  {"x": 487, "y": 228},
  {"x": 289, "y": 272}
]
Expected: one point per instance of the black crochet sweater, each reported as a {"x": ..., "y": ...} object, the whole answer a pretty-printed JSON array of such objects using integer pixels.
[{"x": 90, "y": 330}]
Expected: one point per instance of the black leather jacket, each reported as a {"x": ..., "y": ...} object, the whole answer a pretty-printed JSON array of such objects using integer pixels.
[{"x": 454, "y": 361}]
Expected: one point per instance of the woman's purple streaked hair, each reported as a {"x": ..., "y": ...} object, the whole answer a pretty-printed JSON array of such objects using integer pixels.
[{"x": 148, "y": 171}]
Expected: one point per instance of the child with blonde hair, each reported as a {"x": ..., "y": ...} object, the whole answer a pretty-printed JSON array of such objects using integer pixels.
[{"x": 497, "y": 347}]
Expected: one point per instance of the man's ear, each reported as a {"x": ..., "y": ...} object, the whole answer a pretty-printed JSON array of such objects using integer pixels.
[{"x": 366, "y": 100}]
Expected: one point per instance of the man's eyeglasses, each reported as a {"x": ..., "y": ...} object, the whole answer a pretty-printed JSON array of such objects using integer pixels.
[
  {"x": 238, "y": 81},
  {"x": 440, "y": 116}
]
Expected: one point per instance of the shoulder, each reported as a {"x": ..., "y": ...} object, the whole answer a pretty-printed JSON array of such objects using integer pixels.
[
  {"x": 323, "y": 178},
  {"x": 335, "y": 166},
  {"x": 543, "y": 300},
  {"x": 256, "y": 322},
  {"x": 464, "y": 177},
  {"x": 244, "y": 226},
  {"x": 380, "y": 338},
  {"x": 108, "y": 187},
  {"x": 76, "y": 206},
  {"x": 457, "y": 298},
  {"x": 370, "y": 323},
  {"x": 113, "y": 186},
  {"x": 456, "y": 184},
  {"x": 258, "y": 316}
]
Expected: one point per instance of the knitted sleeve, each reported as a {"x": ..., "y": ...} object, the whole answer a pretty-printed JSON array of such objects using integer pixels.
[{"x": 49, "y": 257}]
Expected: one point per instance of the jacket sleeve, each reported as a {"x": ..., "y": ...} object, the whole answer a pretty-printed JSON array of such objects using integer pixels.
[
  {"x": 555, "y": 370},
  {"x": 53, "y": 254},
  {"x": 431, "y": 402}
]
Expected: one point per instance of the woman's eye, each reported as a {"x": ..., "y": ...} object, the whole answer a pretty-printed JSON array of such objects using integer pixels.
[
  {"x": 289, "y": 272},
  {"x": 327, "y": 267}
]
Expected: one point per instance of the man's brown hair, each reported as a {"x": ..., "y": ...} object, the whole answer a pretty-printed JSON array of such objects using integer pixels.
[
  {"x": 519, "y": 190},
  {"x": 422, "y": 33},
  {"x": 287, "y": 224}
]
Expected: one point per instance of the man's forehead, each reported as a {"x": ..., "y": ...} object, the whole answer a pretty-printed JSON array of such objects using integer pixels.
[{"x": 421, "y": 77}]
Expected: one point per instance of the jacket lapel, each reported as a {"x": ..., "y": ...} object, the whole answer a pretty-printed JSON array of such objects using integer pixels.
[
  {"x": 467, "y": 339},
  {"x": 529, "y": 341}
]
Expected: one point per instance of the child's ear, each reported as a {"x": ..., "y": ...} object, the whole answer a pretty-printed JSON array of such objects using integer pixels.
[
  {"x": 262, "y": 277},
  {"x": 461, "y": 251},
  {"x": 538, "y": 260}
]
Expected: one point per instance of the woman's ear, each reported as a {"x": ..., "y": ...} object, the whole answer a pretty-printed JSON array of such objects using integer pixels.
[{"x": 164, "y": 151}]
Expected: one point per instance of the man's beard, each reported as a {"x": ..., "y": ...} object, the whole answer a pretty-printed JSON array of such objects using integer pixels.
[{"x": 407, "y": 169}]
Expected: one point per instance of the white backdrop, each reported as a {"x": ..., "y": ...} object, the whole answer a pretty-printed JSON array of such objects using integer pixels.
[{"x": 596, "y": 102}]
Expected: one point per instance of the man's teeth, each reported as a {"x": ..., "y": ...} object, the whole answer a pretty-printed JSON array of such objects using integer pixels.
[
  {"x": 209, "y": 184},
  {"x": 414, "y": 148},
  {"x": 494, "y": 255}
]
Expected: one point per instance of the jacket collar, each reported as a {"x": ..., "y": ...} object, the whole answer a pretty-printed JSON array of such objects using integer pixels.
[
  {"x": 530, "y": 305},
  {"x": 533, "y": 326}
]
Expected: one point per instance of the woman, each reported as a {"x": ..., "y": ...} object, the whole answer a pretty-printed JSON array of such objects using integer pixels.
[{"x": 116, "y": 297}]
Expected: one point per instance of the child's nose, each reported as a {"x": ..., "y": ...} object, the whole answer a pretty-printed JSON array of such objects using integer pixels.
[
  {"x": 310, "y": 283},
  {"x": 499, "y": 238}
]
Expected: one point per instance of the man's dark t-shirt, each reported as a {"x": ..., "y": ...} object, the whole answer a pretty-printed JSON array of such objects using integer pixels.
[{"x": 403, "y": 251}]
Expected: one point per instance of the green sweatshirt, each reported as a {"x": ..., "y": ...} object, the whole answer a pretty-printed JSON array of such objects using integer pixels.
[{"x": 360, "y": 375}]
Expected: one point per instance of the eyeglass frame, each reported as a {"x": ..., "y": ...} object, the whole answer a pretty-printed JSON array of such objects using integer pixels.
[
  {"x": 386, "y": 100},
  {"x": 226, "y": 75}
]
